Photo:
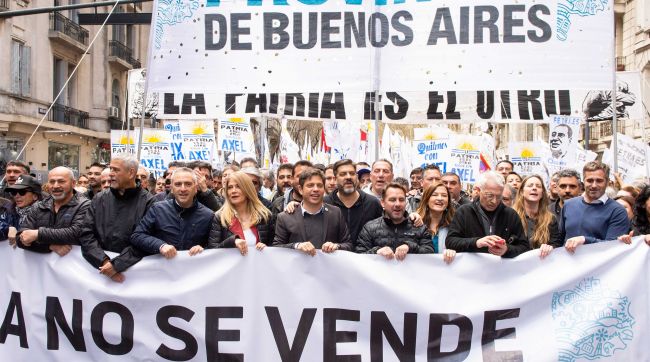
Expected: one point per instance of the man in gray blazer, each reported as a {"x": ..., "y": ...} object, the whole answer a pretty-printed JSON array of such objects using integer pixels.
[{"x": 314, "y": 224}]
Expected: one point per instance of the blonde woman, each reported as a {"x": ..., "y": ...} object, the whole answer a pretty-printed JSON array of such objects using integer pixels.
[
  {"x": 540, "y": 225},
  {"x": 243, "y": 221},
  {"x": 437, "y": 211}
]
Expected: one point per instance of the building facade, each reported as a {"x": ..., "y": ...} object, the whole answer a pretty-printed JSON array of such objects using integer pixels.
[{"x": 43, "y": 51}]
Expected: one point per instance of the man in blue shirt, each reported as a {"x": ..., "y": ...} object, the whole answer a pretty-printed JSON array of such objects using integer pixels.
[{"x": 592, "y": 217}]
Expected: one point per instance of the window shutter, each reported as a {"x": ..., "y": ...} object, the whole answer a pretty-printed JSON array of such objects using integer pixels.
[
  {"x": 25, "y": 71},
  {"x": 15, "y": 67}
]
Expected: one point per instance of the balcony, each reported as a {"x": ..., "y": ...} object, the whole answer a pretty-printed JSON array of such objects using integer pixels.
[
  {"x": 122, "y": 56},
  {"x": 4, "y": 5},
  {"x": 68, "y": 115},
  {"x": 67, "y": 33}
]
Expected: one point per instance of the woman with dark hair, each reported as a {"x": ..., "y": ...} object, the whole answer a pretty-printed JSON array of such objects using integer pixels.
[
  {"x": 437, "y": 211},
  {"x": 540, "y": 224},
  {"x": 243, "y": 220},
  {"x": 641, "y": 221}
]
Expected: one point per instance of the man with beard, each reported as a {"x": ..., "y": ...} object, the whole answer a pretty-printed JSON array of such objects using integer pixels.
[
  {"x": 54, "y": 223},
  {"x": 592, "y": 217},
  {"x": 111, "y": 219},
  {"x": 357, "y": 207},
  {"x": 293, "y": 195},
  {"x": 314, "y": 224},
  {"x": 94, "y": 180},
  {"x": 568, "y": 187},
  {"x": 284, "y": 176},
  {"x": 393, "y": 235},
  {"x": 561, "y": 138}
]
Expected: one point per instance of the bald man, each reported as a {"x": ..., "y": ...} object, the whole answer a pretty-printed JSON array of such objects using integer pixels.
[{"x": 55, "y": 222}]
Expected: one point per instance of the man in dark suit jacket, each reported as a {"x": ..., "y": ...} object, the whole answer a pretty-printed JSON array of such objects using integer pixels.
[{"x": 314, "y": 224}]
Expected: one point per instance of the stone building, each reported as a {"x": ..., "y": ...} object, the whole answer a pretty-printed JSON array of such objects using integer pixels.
[{"x": 42, "y": 52}]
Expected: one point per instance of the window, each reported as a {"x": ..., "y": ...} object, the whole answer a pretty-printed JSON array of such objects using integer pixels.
[
  {"x": 9, "y": 148},
  {"x": 115, "y": 93},
  {"x": 119, "y": 31},
  {"x": 61, "y": 71},
  {"x": 530, "y": 132},
  {"x": 643, "y": 14},
  {"x": 61, "y": 154},
  {"x": 20, "y": 68}
]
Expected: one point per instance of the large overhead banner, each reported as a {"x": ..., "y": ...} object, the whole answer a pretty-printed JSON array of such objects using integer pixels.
[
  {"x": 216, "y": 306},
  {"x": 421, "y": 60}
]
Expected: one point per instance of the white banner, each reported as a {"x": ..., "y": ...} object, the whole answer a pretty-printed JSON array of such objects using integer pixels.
[
  {"x": 428, "y": 60},
  {"x": 279, "y": 304}
]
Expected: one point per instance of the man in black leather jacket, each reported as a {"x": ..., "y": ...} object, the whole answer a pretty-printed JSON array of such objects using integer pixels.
[
  {"x": 394, "y": 235},
  {"x": 55, "y": 222}
]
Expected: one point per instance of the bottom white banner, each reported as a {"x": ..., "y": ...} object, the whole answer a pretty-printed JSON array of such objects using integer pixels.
[{"x": 280, "y": 305}]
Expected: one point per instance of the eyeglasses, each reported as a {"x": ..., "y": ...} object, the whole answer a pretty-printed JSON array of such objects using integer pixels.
[
  {"x": 106, "y": 182},
  {"x": 22, "y": 192},
  {"x": 492, "y": 197}
]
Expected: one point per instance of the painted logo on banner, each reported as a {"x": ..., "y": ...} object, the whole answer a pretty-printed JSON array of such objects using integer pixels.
[
  {"x": 575, "y": 8},
  {"x": 592, "y": 321}
]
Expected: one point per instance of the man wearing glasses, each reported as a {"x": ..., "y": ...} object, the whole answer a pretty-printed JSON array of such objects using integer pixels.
[
  {"x": 143, "y": 177},
  {"x": 487, "y": 225}
]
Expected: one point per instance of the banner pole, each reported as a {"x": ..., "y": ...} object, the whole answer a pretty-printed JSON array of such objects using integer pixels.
[
  {"x": 614, "y": 118},
  {"x": 152, "y": 30}
]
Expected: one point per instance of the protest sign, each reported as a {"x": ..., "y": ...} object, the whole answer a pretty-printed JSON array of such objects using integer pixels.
[
  {"x": 123, "y": 141},
  {"x": 465, "y": 157},
  {"x": 563, "y": 142},
  {"x": 632, "y": 158},
  {"x": 527, "y": 158},
  {"x": 235, "y": 136},
  {"x": 155, "y": 151},
  {"x": 198, "y": 140},
  {"x": 135, "y": 91}
]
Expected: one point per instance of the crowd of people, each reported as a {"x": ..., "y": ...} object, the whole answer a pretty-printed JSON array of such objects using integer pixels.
[{"x": 346, "y": 206}]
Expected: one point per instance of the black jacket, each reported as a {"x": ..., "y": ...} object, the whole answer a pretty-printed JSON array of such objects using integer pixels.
[
  {"x": 382, "y": 232},
  {"x": 469, "y": 225},
  {"x": 223, "y": 237},
  {"x": 109, "y": 223},
  {"x": 62, "y": 228},
  {"x": 207, "y": 198},
  {"x": 167, "y": 222},
  {"x": 366, "y": 208}
]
